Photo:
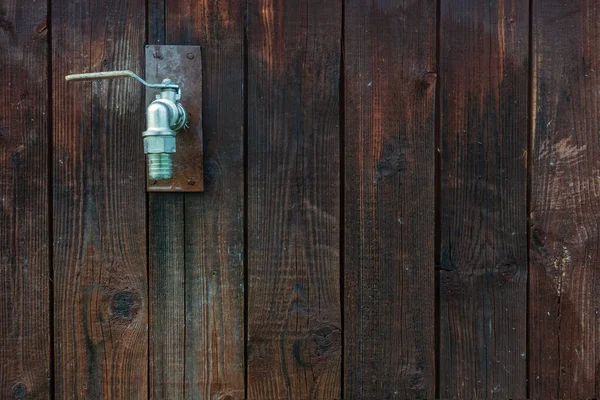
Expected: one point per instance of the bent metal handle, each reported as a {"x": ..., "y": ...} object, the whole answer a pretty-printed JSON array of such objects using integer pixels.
[{"x": 119, "y": 74}]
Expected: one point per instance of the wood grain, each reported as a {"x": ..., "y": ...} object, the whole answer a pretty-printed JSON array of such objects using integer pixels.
[
  {"x": 166, "y": 277},
  {"x": 100, "y": 305},
  {"x": 389, "y": 290},
  {"x": 483, "y": 277},
  {"x": 166, "y": 270},
  {"x": 214, "y": 220},
  {"x": 25, "y": 352},
  {"x": 294, "y": 316},
  {"x": 565, "y": 236}
]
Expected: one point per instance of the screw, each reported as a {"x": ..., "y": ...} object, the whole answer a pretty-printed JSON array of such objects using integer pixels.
[
  {"x": 158, "y": 55},
  {"x": 190, "y": 56},
  {"x": 192, "y": 181}
]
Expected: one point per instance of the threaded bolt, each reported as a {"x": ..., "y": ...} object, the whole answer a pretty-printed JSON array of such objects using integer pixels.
[{"x": 160, "y": 166}]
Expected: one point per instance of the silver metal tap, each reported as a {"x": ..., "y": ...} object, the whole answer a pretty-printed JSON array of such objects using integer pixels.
[{"x": 165, "y": 116}]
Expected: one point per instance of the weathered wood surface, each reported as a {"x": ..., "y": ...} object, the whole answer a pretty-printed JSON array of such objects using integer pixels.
[
  {"x": 294, "y": 315},
  {"x": 340, "y": 182},
  {"x": 483, "y": 188},
  {"x": 166, "y": 277},
  {"x": 214, "y": 220},
  {"x": 564, "y": 250},
  {"x": 166, "y": 270},
  {"x": 390, "y": 85},
  {"x": 25, "y": 350},
  {"x": 99, "y": 213}
]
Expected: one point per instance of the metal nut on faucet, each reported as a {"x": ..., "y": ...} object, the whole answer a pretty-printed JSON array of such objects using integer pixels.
[{"x": 159, "y": 144}]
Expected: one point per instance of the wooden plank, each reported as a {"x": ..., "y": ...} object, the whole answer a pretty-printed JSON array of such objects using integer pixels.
[
  {"x": 390, "y": 75},
  {"x": 294, "y": 315},
  {"x": 167, "y": 295},
  {"x": 156, "y": 22},
  {"x": 565, "y": 251},
  {"x": 214, "y": 220},
  {"x": 100, "y": 316},
  {"x": 166, "y": 270},
  {"x": 483, "y": 277},
  {"x": 25, "y": 352}
]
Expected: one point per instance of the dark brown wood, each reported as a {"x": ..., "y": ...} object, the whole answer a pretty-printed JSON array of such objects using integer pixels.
[
  {"x": 166, "y": 276},
  {"x": 389, "y": 290},
  {"x": 100, "y": 298},
  {"x": 182, "y": 64},
  {"x": 294, "y": 316},
  {"x": 167, "y": 296},
  {"x": 214, "y": 220},
  {"x": 155, "y": 28},
  {"x": 25, "y": 352},
  {"x": 483, "y": 277},
  {"x": 564, "y": 252},
  {"x": 185, "y": 320}
]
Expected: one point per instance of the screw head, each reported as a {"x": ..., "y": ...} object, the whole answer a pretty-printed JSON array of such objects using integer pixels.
[
  {"x": 191, "y": 181},
  {"x": 190, "y": 56}
]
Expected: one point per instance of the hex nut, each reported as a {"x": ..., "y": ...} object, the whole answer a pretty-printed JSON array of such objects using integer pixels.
[{"x": 159, "y": 144}]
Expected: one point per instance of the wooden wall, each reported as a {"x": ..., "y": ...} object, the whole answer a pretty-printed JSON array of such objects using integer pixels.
[{"x": 400, "y": 203}]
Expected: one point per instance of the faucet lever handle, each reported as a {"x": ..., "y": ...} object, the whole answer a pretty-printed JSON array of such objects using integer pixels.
[{"x": 167, "y": 83}]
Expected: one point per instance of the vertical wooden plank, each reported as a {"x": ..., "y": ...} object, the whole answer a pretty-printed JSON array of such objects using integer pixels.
[
  {"x": 99, "y": 203},
  {"x": 483, "y": 277},
  {"x": 167, "y": 295},
  {"x": 156, "y": 29},
  {"x": 294, "y": 316},
  {"x": 390, "y": 75},
  {"x": 24, "y": 215},
  {"x": 214, "y": 220},
  {"x": 564, "y": 250},
  {"x": 166, "y": 270}
]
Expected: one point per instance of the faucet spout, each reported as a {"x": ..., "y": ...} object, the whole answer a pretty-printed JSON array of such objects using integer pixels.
[{"x": 164, "y": 117}]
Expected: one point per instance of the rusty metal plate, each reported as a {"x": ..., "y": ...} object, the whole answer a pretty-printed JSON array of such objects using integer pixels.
[{"x": 182, "y": 64}]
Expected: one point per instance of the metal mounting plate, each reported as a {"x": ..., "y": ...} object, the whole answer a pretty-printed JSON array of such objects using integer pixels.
[{"x": 182, "y": 64}]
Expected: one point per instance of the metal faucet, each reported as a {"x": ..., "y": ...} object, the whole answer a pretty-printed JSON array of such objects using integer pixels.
[{"x": 165, "y": 116}]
